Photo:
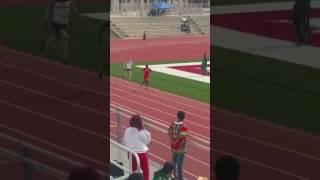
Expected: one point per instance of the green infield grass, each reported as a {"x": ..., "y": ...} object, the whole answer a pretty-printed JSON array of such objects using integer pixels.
[{"x": 181, "y": 86}]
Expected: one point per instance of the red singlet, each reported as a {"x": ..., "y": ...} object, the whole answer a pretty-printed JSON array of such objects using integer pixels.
[{"x": 146, "y": 73}]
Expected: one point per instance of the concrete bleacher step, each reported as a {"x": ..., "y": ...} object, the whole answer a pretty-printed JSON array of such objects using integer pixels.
[{"x": 155, "y": 26}]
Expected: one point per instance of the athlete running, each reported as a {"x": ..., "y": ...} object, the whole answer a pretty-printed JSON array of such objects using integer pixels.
[
  {"x": 58, "y": 13},
  {"x": 128, "y": 66},
  {"x": 146, "y": 76}
]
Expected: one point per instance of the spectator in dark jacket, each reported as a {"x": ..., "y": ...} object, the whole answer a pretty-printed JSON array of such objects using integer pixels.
[
  {"x": 227, "y": 168},
  {"x": 165, "y": 173},
  {"x": 86, "y": 173},
  {"x": 135, "y": 176}
]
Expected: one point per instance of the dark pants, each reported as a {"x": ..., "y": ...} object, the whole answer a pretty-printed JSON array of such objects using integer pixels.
[
  {"x": 177, "y": 159},
  {"x": 301, "y": 26}
]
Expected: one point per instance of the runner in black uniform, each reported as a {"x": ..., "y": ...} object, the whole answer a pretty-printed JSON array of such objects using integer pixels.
[{"x": 60, "y": 11}]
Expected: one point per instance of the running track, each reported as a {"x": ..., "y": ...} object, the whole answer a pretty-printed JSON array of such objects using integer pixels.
[{"x": 265, "y": 151}]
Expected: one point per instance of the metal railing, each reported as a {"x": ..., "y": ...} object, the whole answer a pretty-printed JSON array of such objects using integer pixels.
[
  {"x": 134, "y": 9},
  {"x": 31, "y": 164},
  {"x": 131, "y": 153}
]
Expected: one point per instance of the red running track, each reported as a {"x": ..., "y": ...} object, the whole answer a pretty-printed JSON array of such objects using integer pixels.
[
  {"x": 162, "y": 108},
  {"x": 61, "y": 109},
  {"x": 160, "y": 49}
]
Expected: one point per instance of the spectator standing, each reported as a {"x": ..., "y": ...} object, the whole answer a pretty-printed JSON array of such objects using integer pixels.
[
  {"x": 204, "y": 64},
  {"x": 178, "y": 133},
  {"x": 300, "y": 18},
  {"x": 136, "y": 138}
]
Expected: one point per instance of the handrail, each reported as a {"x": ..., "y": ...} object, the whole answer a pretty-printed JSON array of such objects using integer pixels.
[
  {"x": 121, "y": 167},
  {"x": 158, "y": 124},
  {"x": 35, "y": 164},
  {"x": 43, "y": 151},
  {"x": 131, "y": 153}
]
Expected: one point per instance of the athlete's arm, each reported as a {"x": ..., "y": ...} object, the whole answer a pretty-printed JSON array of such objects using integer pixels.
[
  {"x": 47, "y": 12},
  {"x": 101, "y": 31},
  {"x": 74, "y": 7},
  {"x": 125, "y": 65}
]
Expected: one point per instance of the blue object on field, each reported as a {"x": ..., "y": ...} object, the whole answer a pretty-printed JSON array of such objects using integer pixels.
[{"x": 162, "y": 5}]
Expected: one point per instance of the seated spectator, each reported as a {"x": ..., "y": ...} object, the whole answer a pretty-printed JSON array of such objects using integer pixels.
[
  {"x": 135, "y": 176},
  {"x": 165, "y": 173},
  {"x": 136, "y": 138},
  {"x": 227, "y": 168},
  {"x": 202, "y": 178},
  {"x": 86, "y": 173}
]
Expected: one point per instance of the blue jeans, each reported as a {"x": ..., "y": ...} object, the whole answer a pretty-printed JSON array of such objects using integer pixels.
[{"x": 177, "y": 159}]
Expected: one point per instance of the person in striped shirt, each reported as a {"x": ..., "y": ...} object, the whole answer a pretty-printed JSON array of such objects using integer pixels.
[{"x": 178, "y": 133}]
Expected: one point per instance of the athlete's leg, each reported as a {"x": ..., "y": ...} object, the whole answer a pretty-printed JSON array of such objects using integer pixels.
[
  {"x": 102, "y": 69},
  {"x": 307, "y": 29},
  {"x": 125, "y": 73},
  {"x": 64, "y": 44},
  {"x": 46, "y": 42},
  {"x": 147, "y": 84},
  {"x": 51, "y": 39},
  {"x": 130, "y": 74}
]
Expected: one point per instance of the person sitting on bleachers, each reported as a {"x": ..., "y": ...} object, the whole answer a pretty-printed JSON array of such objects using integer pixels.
[
  {"x": 227, "y": 168},
  {"x": 135, "y": 176},
  {"x": 165, "y": 173},
  {"x": 86, "y": 173},
  {"x": 202, "y": 178}
]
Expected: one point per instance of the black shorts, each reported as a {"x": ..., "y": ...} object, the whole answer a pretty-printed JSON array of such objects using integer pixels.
[{"x": 59, "y": 27}]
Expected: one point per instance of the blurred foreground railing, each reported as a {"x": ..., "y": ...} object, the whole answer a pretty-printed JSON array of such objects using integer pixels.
[{"x": 27, "y": 153}]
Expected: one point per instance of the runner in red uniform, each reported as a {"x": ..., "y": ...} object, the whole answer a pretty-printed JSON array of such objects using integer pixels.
[{"x": 146, "y": 76}]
